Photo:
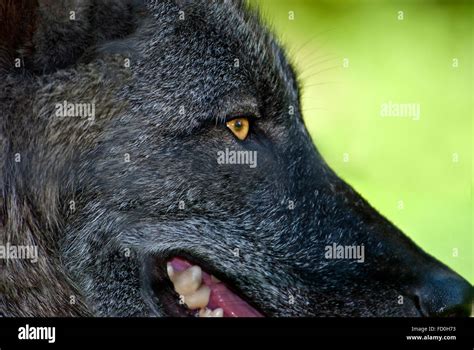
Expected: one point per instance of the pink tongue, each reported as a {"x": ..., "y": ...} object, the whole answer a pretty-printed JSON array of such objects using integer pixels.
[
  {"x": 221, "y": 296},
  {"x": 232, "y": 305}
]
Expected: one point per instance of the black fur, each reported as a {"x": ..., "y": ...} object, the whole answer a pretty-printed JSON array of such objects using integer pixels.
[{"x": 167, "y": 112}]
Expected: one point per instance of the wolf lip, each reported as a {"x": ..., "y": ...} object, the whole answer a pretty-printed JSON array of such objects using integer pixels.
[{"x": 205, "y": 293}]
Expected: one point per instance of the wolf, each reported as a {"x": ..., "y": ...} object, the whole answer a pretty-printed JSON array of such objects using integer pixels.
[{"x": 130, "y": 211}]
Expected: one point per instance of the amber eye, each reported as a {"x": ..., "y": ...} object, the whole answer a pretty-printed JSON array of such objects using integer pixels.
[{"x": 239, "y": 127}]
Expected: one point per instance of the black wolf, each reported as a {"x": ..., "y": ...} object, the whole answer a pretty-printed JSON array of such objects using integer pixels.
[{"x": 113, "y": 117}]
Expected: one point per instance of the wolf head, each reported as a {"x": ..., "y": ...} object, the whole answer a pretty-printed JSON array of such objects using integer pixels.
[{"x": 123, "y": 163}]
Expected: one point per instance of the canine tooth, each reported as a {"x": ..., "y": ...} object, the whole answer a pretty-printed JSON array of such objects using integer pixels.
[
  {"x": 170, "y": 270},
  {"x": 198, "y": 299},
  {"x": 217, "y": 313},
  {"x": 187, "y": 281}
]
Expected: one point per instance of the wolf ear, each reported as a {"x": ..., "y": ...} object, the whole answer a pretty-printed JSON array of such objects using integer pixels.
[{"x": 42, "y": 36}]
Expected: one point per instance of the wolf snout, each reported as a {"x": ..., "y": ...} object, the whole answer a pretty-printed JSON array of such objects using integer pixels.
[{"x": 444, "y": 293}]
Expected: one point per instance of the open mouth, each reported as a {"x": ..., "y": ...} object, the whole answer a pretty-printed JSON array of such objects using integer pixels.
[{"x": 187, "y": 289}]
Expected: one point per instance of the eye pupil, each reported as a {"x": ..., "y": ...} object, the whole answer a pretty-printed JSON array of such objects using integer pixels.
[{"x": 239, "y": 127}]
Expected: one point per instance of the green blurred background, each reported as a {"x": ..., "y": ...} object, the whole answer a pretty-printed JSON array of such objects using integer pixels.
[{"x": 353, "y": 56}]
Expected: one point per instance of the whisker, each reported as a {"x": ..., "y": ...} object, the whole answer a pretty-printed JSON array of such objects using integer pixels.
[
  {"x": 311, "y": 39},
  {"x": 312, "y": 75},
  {"x": 317, "y": 60},
  {"x": 319, "y": 84}
]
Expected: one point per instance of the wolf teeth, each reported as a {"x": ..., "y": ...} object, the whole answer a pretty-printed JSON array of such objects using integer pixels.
[
  {"x": 186, "y": 282},
  {"x": 211, "y": 313},
  {"x": 205, "y": 312},
  {"x": 170, "y": 271},
  {"x": 215, "y": 279},
  {"x": 199, "y": 299},
  {"x": 217, "y": 313}
]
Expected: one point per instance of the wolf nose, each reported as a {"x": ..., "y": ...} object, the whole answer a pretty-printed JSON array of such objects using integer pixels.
[{"x": 446, "y": 294}]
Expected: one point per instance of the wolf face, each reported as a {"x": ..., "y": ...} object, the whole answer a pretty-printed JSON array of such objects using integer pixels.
[{"x": 151, "y": 207}]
